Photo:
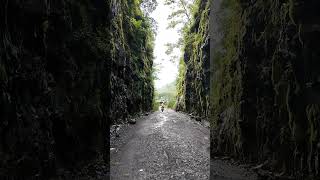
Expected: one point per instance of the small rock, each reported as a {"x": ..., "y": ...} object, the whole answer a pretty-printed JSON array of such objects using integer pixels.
[
  {"x": 132, "y": 121},
  {"x": 146, "y": 114},
  {"x": 260, "y": 166},
  {"x": 116, "y": 130},
  {"x": 198, "y": 118}
]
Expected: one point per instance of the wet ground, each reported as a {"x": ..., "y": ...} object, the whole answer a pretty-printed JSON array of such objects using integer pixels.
[{"x": 167, "y": 145}]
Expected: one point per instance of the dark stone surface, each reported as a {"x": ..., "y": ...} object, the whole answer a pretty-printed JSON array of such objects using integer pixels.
[
  {"x": 66, "y": 72},
  {"x": 265, "y": 92},
  {"x": 196, "y": 85}
]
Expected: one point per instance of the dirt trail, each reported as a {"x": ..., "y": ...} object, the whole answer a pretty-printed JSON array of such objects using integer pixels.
[{"x": 166, "y": 145}]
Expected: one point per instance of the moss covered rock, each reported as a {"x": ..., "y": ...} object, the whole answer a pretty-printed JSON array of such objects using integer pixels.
[
  {"x": 68, "y": 69},
  {"x": 194, "y": 80},
  {"x": 265, "y": 87}
]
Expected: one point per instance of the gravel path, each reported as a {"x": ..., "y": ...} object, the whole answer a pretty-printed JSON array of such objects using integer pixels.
[{"x": 166, "y": 145}]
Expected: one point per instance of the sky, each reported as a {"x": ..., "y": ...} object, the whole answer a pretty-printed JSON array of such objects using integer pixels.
[{"x": 168, "y": 70}]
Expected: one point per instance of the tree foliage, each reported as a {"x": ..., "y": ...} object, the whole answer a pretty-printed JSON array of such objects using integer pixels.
[
  {"x": 180, "y": 18},
  {"x": 147, "y": 7},
  {"x": 181, "y": 11}
]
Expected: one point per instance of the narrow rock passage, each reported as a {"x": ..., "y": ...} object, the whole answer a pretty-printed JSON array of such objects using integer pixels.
[{"x": 162, "y": 145}]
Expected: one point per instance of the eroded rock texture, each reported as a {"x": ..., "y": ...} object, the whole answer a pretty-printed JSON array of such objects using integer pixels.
[
  {"x": 195, "y": 95},
  {"x": 266, "y": 83},
  {"x": 65, "y": 65},
  {"x": 131, "y": 61}
]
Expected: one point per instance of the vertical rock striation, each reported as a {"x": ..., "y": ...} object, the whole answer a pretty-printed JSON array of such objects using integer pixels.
[
  {"x": 265, "y": 90},
  {"x": 194, "y": 96},
  {"x": 67, "y": 70},
  {"x": 131, "y": 61}
]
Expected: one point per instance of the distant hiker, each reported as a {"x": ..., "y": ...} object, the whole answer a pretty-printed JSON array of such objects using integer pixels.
[{"x": 162, "y": 108}]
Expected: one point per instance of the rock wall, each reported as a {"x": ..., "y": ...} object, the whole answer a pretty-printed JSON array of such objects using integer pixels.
[
  {"x": 131, "y": 61},
  {"x": 265, "y": 90},
  {"x": 194, "y": 96},
  {"x": 66, "y": 72}
]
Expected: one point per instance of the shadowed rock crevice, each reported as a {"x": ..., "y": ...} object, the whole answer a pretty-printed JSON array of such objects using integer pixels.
[
  {"x": 265, "y": 87},
  {"x": 68, "y": 69},
  {"x": 193, "y": 87}
]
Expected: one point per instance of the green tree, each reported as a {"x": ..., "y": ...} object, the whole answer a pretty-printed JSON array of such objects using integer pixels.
[
  {"x": 181, "y": 13},
  {"x": 179, "y": 18},
  {"x": 148, "y": 6}
]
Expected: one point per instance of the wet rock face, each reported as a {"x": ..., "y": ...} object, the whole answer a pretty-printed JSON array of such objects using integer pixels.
[
  {"x": 130, "y": 82},
  {"x": 61, "y": 68},
  {"x": 265, "y": 88},
  {"x": 196, "y": 86}
]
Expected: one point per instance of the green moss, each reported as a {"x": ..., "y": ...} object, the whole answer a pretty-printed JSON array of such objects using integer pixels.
[
  {"x": 291, "y": 10},
  {"x": 131, "y": 50},
  {"x": 181, "y": 78},
  {"x": 193, "y": 64},
  {"x": 45, "y": 26},
  {"x": 225, "y": 83},
  {"x": 313, "y": 116}
]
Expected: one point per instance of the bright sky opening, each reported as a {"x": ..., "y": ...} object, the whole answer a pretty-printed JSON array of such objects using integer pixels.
[{"x": 168, "y": 70}]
